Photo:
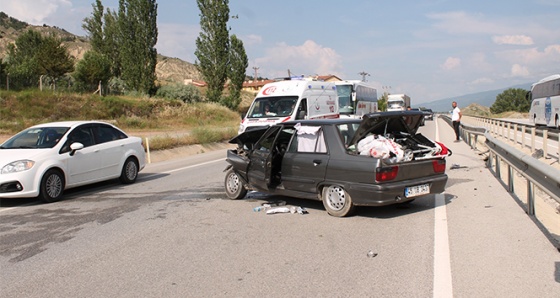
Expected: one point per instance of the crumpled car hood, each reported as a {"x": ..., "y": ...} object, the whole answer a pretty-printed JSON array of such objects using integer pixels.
[
  {"x": 248, "y": 138},
  {"x": 381, "y": 123}
]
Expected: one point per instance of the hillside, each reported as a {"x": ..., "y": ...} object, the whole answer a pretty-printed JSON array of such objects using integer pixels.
[
  {"x": 485, "y": 98},
  {"x": 168, "y": 70}
]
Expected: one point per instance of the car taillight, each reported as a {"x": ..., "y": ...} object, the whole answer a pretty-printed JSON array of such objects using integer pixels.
[
  {"x": 439, "y": 165},
  {"x": 386, "y": 173}
]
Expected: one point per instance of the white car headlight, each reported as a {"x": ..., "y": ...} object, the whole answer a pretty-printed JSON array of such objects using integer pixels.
[{"x": 18, "y": 166}]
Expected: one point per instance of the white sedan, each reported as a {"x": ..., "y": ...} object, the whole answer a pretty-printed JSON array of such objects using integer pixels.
[{"x": 44, "y": 160}]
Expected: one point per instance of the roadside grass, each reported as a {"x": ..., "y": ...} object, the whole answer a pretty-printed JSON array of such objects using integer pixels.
[{"x": 168, "y": 123}]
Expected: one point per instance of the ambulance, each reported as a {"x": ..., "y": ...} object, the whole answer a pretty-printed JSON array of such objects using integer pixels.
[{"x": 291, "y": 99}]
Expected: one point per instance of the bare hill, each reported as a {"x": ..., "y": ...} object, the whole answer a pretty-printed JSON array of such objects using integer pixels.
[{"x": 168, "y": 70}]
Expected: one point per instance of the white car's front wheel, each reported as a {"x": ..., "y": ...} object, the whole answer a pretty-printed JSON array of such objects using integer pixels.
[{"x": 52, "y": 186}]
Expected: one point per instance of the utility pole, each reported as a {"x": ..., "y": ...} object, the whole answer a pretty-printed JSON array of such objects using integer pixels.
[
  {"x": 364, "y": 74},
  {"x": 256, "y": 73}
]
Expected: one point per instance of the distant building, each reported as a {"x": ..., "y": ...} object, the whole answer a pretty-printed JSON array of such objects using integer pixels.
[{"x": 255, "y": 85}]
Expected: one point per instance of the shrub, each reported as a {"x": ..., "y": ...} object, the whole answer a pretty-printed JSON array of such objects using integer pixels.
[{"x": 185, "y": 93}]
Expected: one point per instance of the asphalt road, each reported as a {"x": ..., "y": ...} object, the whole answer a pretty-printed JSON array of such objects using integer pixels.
[{"x": 174, "y": 234}]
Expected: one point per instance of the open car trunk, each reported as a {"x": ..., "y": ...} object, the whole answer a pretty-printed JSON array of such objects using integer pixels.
[{"x": 392, "y": 136}]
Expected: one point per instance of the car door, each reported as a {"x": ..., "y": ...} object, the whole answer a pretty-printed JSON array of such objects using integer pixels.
[
  {"x": 85, "y": 164},
  {"x": 305, "y": 163},
  {"x": 260, "y": 164},
  {"x": 111, "y": 146}
]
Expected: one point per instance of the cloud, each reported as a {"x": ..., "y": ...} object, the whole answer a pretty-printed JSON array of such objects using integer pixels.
[
  {"x": 252, "y": 39},
  {"x": 34, "y": 12},
  {"x": 177, "y": 40},
  {"x": 519, "y": 71},
  {"x": 513, "y": 40},
  {"x": 482, "y": 81},
  {"x": 451, "y": 63},
  {"x": 309, "y": 58}
]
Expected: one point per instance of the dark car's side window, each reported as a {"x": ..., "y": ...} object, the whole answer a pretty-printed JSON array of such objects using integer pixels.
[{"x": 308, "y": 139}]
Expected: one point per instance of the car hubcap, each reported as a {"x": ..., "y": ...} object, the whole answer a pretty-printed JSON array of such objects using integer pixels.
[
  {"x": 54, "y": 186},
  {"x": 131, "y": 170},
  {"x": 233, "y": 183},
  {"x": 336, "y": 197}
]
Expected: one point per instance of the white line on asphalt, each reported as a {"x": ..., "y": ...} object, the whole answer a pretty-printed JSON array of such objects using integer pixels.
[
  {"x": 442, "y": 260},
  {"x": 196, "y": 165},
  {"x": 442, "y": 263}
]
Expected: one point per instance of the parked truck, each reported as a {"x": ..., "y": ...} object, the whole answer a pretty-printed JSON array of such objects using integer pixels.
[{"x": 398, "y": 102}]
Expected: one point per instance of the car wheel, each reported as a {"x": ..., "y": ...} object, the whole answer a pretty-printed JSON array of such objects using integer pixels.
[
  {"x": 52, "y": 186},
  {"x": 129, "y": 171},
  {"x": 234, "y": 186},
  {"x": 337, "y": 201}
]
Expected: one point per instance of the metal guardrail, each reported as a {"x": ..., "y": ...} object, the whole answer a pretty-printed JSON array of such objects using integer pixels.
[{"x": 536, "y": 173}]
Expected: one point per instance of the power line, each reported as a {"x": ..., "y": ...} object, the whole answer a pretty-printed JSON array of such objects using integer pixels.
[{"x": 364, "y": 74}]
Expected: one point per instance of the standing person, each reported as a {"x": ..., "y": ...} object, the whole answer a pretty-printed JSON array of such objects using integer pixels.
[{"x": 456, "y": 118}]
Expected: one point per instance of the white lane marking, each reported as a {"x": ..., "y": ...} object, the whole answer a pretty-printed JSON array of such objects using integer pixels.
[
  {"x": 193, "y": 166},
  {"x": 442, "y": 260},
  {"x": 442, "y": 263}
]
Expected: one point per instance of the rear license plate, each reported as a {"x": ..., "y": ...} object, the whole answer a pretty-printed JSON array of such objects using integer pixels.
[{"x": 417, "y": 190}]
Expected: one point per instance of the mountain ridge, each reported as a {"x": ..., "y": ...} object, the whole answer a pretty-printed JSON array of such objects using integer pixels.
[{"x": 169, "y": 70}]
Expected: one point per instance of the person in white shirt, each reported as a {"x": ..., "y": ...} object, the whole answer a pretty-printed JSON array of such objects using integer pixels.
[{"x": 456, "y": 118}]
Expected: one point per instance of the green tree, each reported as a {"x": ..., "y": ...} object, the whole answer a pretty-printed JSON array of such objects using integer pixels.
[
  {"x": 92, "y": 70},
  {"x": 512, "y": 99},
  {"x": 382, "y": 102},
  {"x": 33, "y": 56},
  {"x": 212, "y": 46},
  {"x": 21, "y": 60},
  {"x": 112, "y": 41},
  {"x": 53, "y": 58},
  {"x": 238, "y": 63},
  {"x": 137, "y": 23},
  {"x": 94, "y": 27}
]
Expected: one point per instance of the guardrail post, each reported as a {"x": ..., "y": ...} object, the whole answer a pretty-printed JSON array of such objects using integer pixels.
[
  {"x": 507, "y": 131},
  {"x": 498, "y": 166},
  {"x": 510, "y": 179},
  {"x": 476, "y": 141},
  {"x": 523, "y": 137},
  {"x": 545, "y": 143},
  {"x": 530, "y": 198},
  {"x": 515, "y": 133},
  {"x": 533, "y": 131}
]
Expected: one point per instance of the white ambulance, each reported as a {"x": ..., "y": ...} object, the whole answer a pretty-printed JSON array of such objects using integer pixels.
[{"x": 291, "y": 99}]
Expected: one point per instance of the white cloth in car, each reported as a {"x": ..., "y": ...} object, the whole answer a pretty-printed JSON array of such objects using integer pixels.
[{"x": 380, "y": 147}]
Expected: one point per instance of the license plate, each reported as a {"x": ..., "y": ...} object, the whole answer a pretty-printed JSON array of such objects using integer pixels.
[{"x": 417, "y": 190}]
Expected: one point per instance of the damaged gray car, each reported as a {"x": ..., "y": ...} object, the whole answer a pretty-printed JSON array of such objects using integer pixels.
[{"x": 374, "y": 161}]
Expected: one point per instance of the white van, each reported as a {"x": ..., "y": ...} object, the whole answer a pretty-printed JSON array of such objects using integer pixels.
[{"x": 289, "y": 100}]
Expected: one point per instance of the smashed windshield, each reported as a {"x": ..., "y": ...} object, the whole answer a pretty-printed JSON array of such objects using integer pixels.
[
  {"x": 280, "y": 106},
  {"x": 33, "y": 138}
]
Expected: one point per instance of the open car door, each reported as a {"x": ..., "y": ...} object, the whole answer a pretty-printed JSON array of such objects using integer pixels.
[{"x": 260, "y": 164}]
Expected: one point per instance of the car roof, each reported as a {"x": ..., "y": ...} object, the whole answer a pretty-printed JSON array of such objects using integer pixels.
[{"x": 70, "y": 123}]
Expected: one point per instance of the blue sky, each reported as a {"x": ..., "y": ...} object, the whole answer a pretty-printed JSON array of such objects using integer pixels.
[{"x": 428, "y": 49}]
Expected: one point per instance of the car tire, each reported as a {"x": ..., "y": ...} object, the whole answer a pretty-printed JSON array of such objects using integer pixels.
[
  {"x": 337, "y": 201},
  {"x": 52, "y": 186},
  {"x": 129, "y": 171},
  {"x": 233, "y": 185}
]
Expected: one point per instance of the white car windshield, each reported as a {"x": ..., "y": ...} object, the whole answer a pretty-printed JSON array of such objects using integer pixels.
[{"x": 34, "y": 138}]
